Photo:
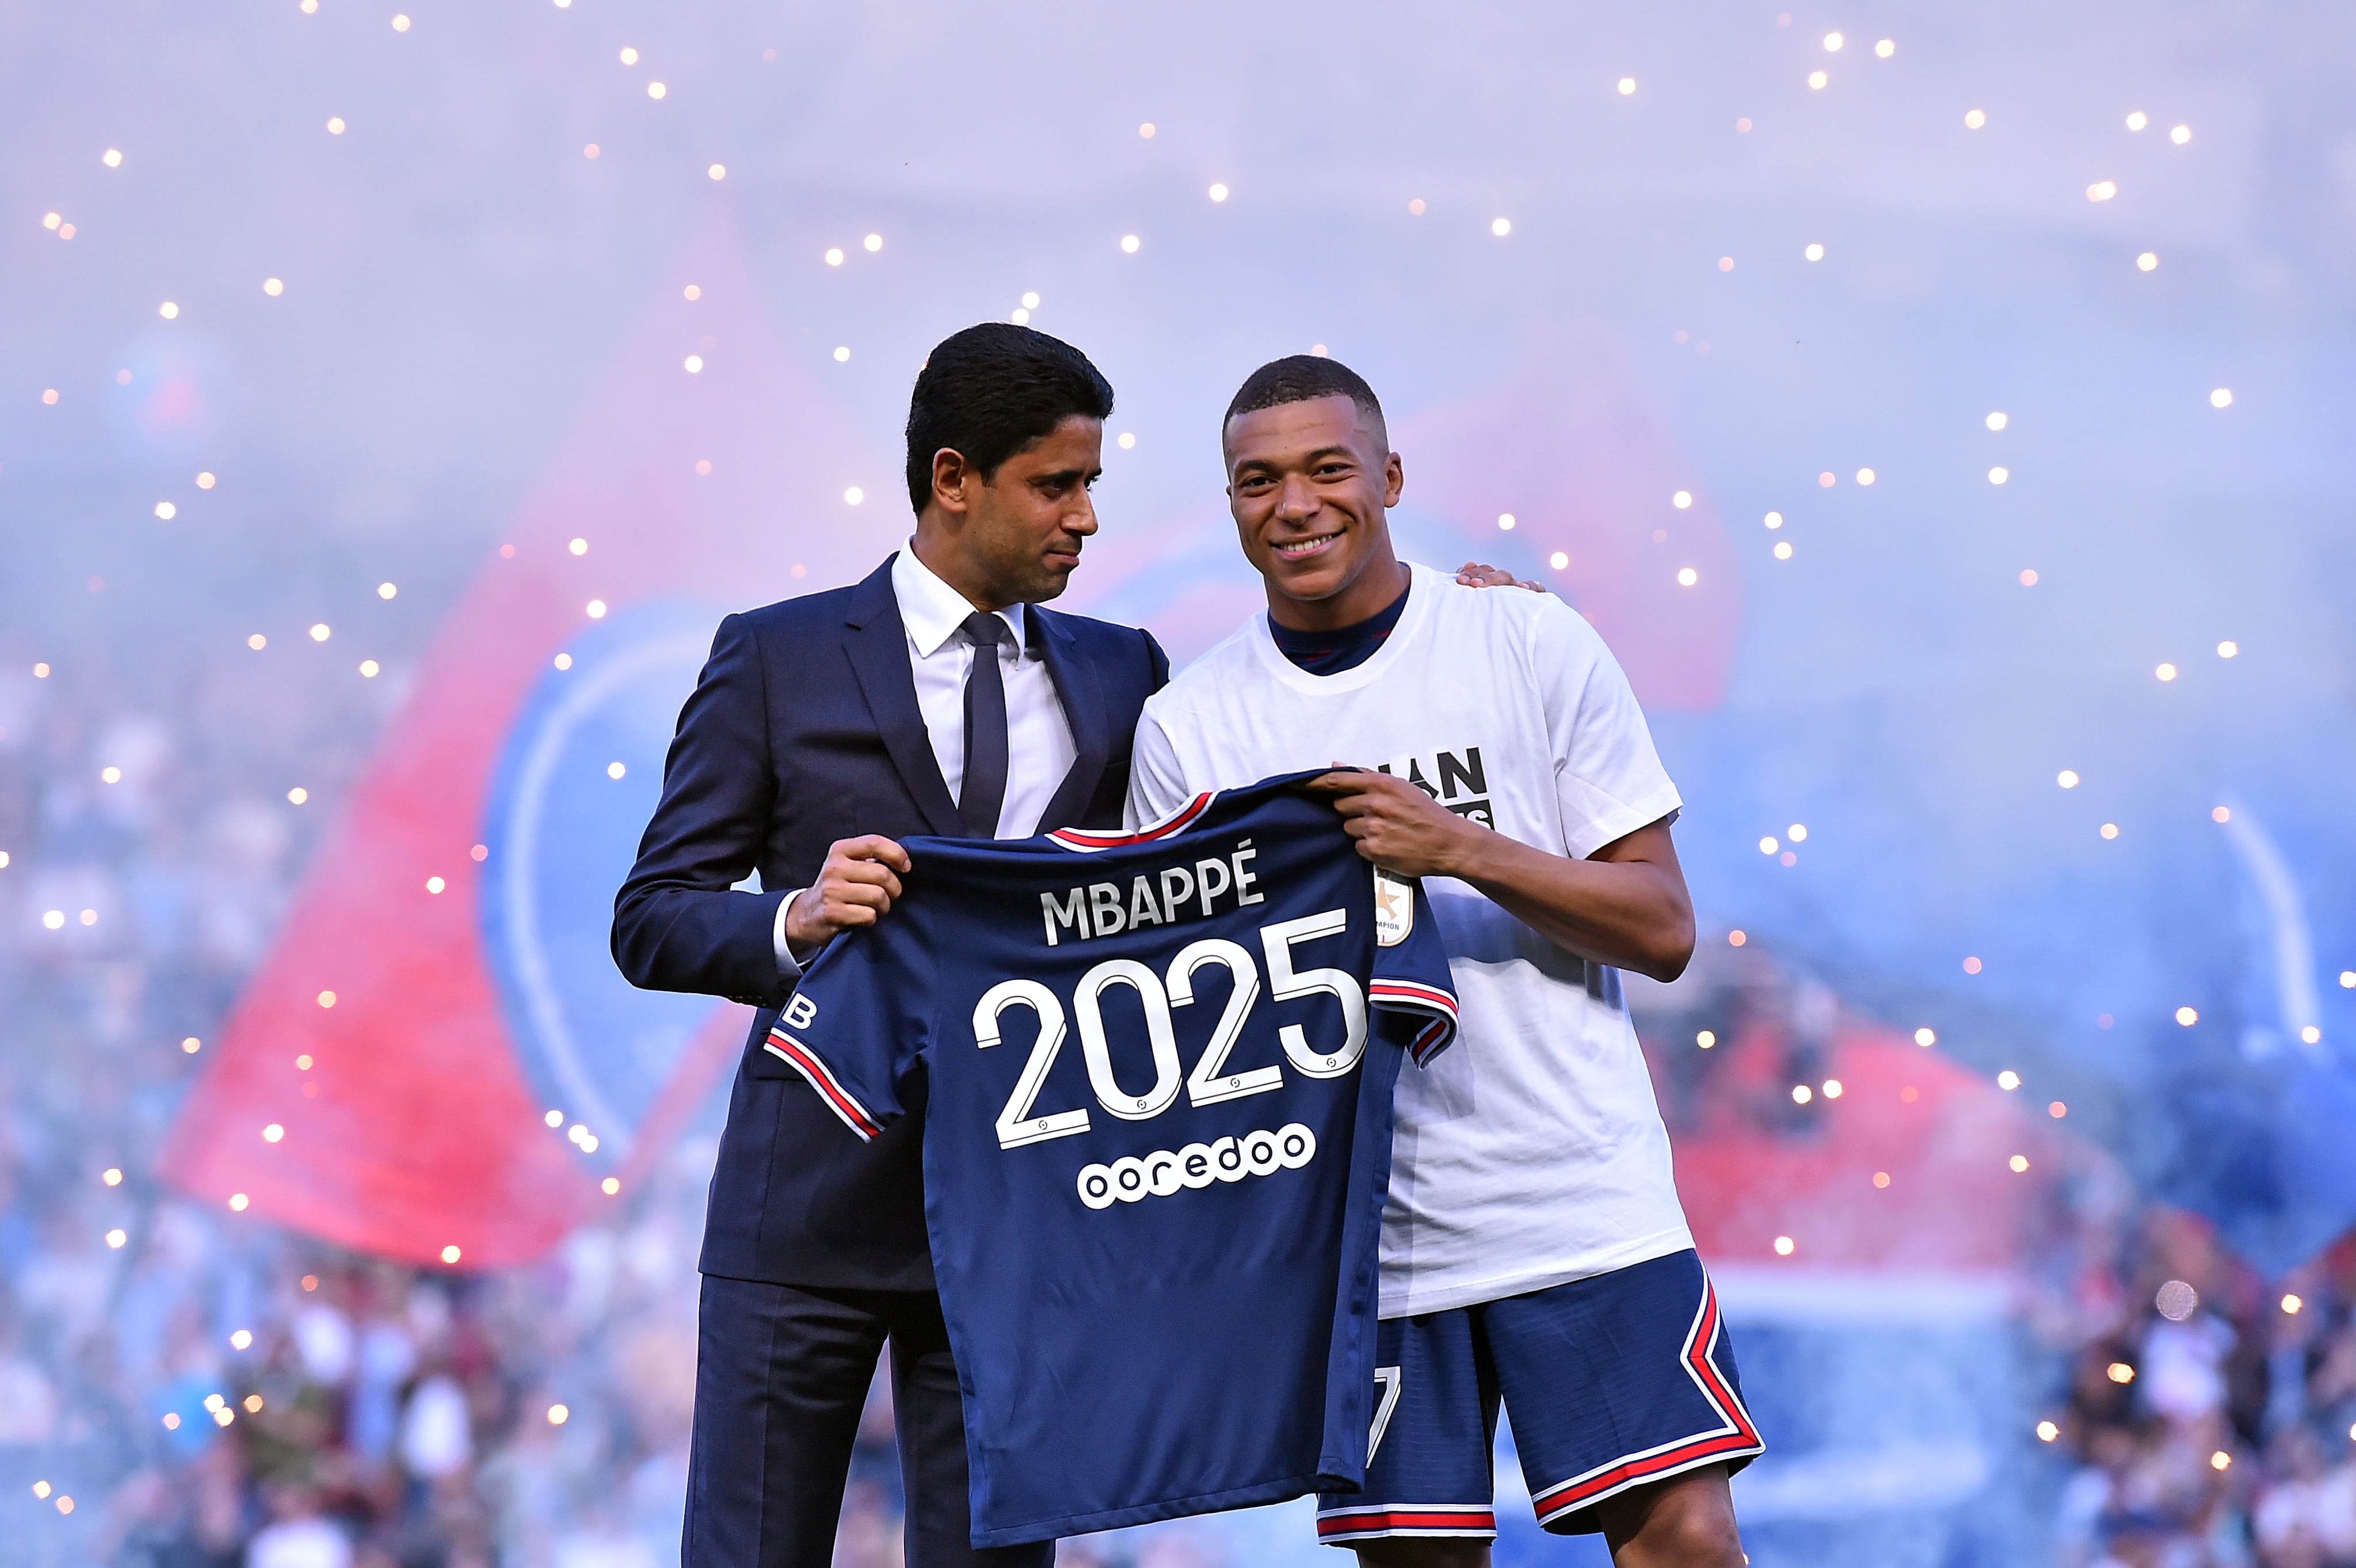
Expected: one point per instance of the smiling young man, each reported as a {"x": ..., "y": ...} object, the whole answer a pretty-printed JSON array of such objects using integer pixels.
[
  {"x": 937, "y": 697},
  {"x": 1533, "y": 1249}
]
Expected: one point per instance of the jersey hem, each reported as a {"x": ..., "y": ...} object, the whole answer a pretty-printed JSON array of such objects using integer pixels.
[
  {"x": 1169, "y": 1508},
  {"x": 1419, "y": 1304}
]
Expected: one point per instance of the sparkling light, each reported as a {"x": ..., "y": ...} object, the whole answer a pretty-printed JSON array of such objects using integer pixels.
[
  {"x": 2220, "y": 814},
  {"x": 1926, "y": 1037},
  {"x": 2222, "y": 398},
  {"x": 834, "y": 256},
  {"x": 191, "y": 1045},
  {"x": 1129, "y": 243},
  {"x": 1782, "y": 550},
  {"x": 1832, "y": 42},
  {"x": 369, "y": 668},
  {"x": 114, "y": 1238},
  {"x": 2102, "y": 190},
  {"x": 165, "y": 510},
  {"x": 1769, "y": 844},
  {"x": 272, "y": 1134},
  {"x": 1627, "y": 86},
  {"x": 1833, "y": 1090},
  {"x": 718, "y": 171},
  {"x": 694, "y": 364},
  {"x": 1705, "y": 1039},
  {"x": 1817, "y": 79},
  {"x": 2007, "y": 1080},
  {"x": 1505, "y": 521},
  {"x": 1998, "y": 418},
  {"x": 1736, "y": 938},
  {"x": 2228, "y": 648},
  {"x": 2166, "y": 672},
  {"x": 1865, "y": 475},
  {"x": 1973, "y": 119},
  {"x": 1415, "y": 206},
  {"x": 1559, "y": 561},
  {"x": 335, "y": 125},
  {"x": 2148, "y": 260},
  {"x": 2028, "y": 576},
  {"x": 629, "y": 55},
  {"x": 400, "y": 24},
  {"x": 1783, "y": 1247},
  {"x": 611, "y": 1186},
  {"x": 450, "y": 1254},
  {"x": 2188, "y": 1016},
  {"x": 319, "y": 631},
  {"x": 1813, "y": 252},
  {"x": 2120, "y": 1372},
  {"x": 1128, "y": 440},
  {"x": 853, "y": 495},
  {"x": 296, "y": 796},
  {"x": 435, "y": 884},
  {"x": 1726, "y": 263},
  {"x": 1687, "y": 577},
  {"x": 1501, "y": 226},
  {"x": 1218, "y": 191},
  {"x": 2019, "y": 1162},
  {"x": 170, "y": 312},
  {"x": 2047, "y": 1432},
  {"x": 558, "y": 1415},
  {"x": 1146, "y": 130},
  {"x": 237, "y": 1203},
  {"x": 1030, "y": 300},
  {"x": 2311, "y": 1035},
  {"x": 2180, "y": 135},
  {"x": 327, "y": 998},
  {"x": 2067, "y": 778},
  {"x": 1797, "y": 833},
  {"x": 1826, "y": 480},
  {"x": 2138, "y": 121},
  {"x": 1998, "y": 475},
  {"x": 1801, "y": 1094},
  {"x": 872, "y": 244},
  {"x": 615, "y": 769},
  {"x": 579, "y": 547},
  {"x": 1681, "y": 500},
  {"x": 1774, "y": 520},
  {"x": 2220, "y": 1459},
  {"x": 656, "y": 89},
  {"x": 55, "y": 919},
  {"x": 842, "y": 355},
  {"x": 1885, "y": 48},
  {"x": 595, "y": 609},
  {"x": 693, "y": 292},
  {"x": 1881, "y": 1178}
]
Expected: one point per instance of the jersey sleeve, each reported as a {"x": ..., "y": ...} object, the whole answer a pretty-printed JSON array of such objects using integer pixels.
[
  {"x": 1411, "y": 986},
  {"x": 1607, "y": 775},
  {"x": 1157, "y": 780},
  {"x": 854, "y": 1026}
]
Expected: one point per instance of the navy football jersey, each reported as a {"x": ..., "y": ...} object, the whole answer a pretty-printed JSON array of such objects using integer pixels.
[{"x": 1156, "y": 1078}]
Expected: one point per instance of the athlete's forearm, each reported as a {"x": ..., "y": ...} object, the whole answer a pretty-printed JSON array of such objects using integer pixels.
[{"x": 1626, "y": 908}]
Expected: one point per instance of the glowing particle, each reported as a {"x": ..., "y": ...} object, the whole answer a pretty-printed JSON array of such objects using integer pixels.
[
  {"x": 65, "y": 1504},
  {"x": 479, "y": 853},
  {"x": 834, "y": 255},
  {"x": 1832, "y": 42},
  {"x": 54, "y": 919},
  {"x": 2019, "y": 1162},
  {"x": 1559, "y": 561},
  {"x": 1865, "y": 475},
  {"x": 1813, "y": 252},
  {"x": 335, "y": 125},
  {"x": 1031, "y": 300},
  {"x": 171, "y": 311},
  {"x": 703, "y": 465},
  {"x": 1736, "y": 938},
  {"x": 1128, "y": 440},
  {"x": 1627, "y": 86},
  {"x": 1726, "y": 263},
  {"x": 2110, "y": 830},
  {"x": 2148, "y": 260},
  {"x": 1971, "y": 965},
  {"x": 842, "y": 355},
  {"x": 2310, "y": 1035},
  {"x": 1129, "y": 243},
  {"x": 1885, "y": 48},
  {"x": 2347, "y": 979},
  {"x": 1681, "y": 500},
  {"x": 1782, "y": 550},
  {"x": 114, "y": 1238},
  {"x": 369, "y": 669},
  {"x": 435, "y": 884},
  {"x": 1998, "y": 418},
  {"x": 1973, "y": 119},
  {"x": 558, "y": 1415},
  {"x": 450, "y": 1254},
  {"x": 1817, "y": 79},
  {"x": 2180, "y": 135},
  {"x": 1797, "y": 833},
  {"x": 2176, "y": 1300},
  {"x": 2067, "y": 778},
  {"x": 694, "y": 364},
  {"x": 1827, "y": 480},
  {"x": 693, "y": 292},
  {"x": 872, "y": 244},
  {"x": 1415, "y": 206},
  {"x": 611, "y": 1186},
  {"x": 1505, "y": 519},
  {"x": 2220, "y": 813},
  {"x": 853, "y": 495},
  {"x": 319, "y": 631},
  {"x": 2007, "y": 1080},
  {"x": 1774, "y": 520},
  {"x": 1146, "y": 130},
  {"x": 2166, "y": 672},
  {"x": 206, "y": 481},
  {"x": 718, "y": 171},
  {"x": 2220, "y": 1459},
  {"x": 2188, "y": 1016},
  {"x": 172, "y": 1417},
  {"x": 271, "y": 1135},
  {"x": 327, "y": 998},
  {"x": 296, "y": 796},
  {"x": 252, "y": 1404},
  {"x": 2028, "y": 576},
  {"x": 112, "y": 157},
  {"x": 2138, "y": 119},
  {"x": 595, "y": 609},
  {"x": 1218, "y": 191},
  {"x": 1742, "y": 126},
  {"x": 1687, "y": 577},
  {"x": 1999, "y": 474},
  {"x": 1019, "y": 316},
  {"x": 400, "y": 24},
  {"x": 49, "y": 395},
  {"x": 165, "y": 510},
  {"x": 238, "y": 1201},
  {"x": 1769, "y": 844},
  {"x": 2057, "y": 1110},
  {"x": 554, "y": 1119},
  {"x": 1832, "y": 1090},
  {"x": 615, "y": 769},
  {"x": 1501, "y": 226},
  {"x": 656, "y": 89},
  {"x": 1783, "y": 1247},
  {"x": 1881, "y": 1178},
  {"x": 2222, "y": 398},
  {"x": 2228, "y": 649},
  {"x": 2102, "y": 190},
  {"x": 629, "y": 55},
  {"x": 1801, "y": 1094},
  {"x": 579, "y": 547},
  {"x": 191, "y": 1045},
  {"x": 1705, "y": 1039}
]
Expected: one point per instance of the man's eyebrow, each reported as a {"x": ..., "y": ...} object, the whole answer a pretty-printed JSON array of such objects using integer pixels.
[{"x": 1337, "y": 450}]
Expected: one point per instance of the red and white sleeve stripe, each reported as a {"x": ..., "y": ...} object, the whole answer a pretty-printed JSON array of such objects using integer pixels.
[{"x": 806, "y": 1061}]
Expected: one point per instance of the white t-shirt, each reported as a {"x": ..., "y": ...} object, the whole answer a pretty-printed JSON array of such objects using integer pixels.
[{"x": 1532, "y": 1153}]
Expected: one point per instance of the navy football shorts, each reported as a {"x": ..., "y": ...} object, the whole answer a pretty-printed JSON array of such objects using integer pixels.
[{"x": 1612, "y": 1383}]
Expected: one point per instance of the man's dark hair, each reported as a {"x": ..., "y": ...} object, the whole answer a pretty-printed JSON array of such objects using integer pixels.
[
  {"x": 1296, "y": 378},
  {"x": 991, "y": 390}
]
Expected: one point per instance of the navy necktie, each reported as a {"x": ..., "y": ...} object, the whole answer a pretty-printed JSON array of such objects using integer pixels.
[{"x": 983, "y": 794}]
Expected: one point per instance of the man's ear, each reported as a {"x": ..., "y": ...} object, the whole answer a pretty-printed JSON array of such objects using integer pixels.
[
  {"x": 951, "y": 473},
  {"x": 1394, "y": 480}
]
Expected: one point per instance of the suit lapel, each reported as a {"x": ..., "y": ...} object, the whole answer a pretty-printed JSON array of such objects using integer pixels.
[
  {"x": 877, "y": 644},
  {"x": 1083, "y": 699}
]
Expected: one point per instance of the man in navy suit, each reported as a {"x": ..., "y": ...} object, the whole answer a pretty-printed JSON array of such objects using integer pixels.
[{"x": 937, "y": 697}]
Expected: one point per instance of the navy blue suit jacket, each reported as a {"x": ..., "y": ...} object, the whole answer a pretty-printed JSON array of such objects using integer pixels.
[{"x": 804, "y": 730}]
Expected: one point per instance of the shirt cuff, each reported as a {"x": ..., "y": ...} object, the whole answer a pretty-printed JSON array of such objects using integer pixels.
[{"x": 789, "y": 968}]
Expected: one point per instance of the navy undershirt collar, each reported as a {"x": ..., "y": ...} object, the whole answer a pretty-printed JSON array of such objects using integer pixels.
[{"x": 1344, "y": 647}]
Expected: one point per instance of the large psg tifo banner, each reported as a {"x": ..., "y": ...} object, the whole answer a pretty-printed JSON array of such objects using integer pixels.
[{"x": 459, "y": 1073}]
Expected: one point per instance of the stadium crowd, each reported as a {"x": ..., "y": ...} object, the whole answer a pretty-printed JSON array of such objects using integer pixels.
[{"x": 182, "y": 1388}]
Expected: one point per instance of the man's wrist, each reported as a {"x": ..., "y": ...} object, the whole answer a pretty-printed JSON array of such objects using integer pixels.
[{"x": 790, "y": 965}]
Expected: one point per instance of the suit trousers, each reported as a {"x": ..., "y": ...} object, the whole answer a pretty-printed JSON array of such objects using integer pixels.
[{"x": 781, "y": 1376}]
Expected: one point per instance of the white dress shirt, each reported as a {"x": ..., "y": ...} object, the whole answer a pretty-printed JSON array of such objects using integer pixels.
[{"x": 1040, "y": 749}]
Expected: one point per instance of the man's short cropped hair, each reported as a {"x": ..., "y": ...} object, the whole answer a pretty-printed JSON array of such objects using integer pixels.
[
  {"x": 991, "y": 390},
  {"x": 1296, "y": 378}
]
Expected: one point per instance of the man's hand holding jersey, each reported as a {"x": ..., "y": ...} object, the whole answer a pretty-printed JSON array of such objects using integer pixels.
[
  {"x": 854, "y": 888},
  {"x": 1625, "y": 905}
]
